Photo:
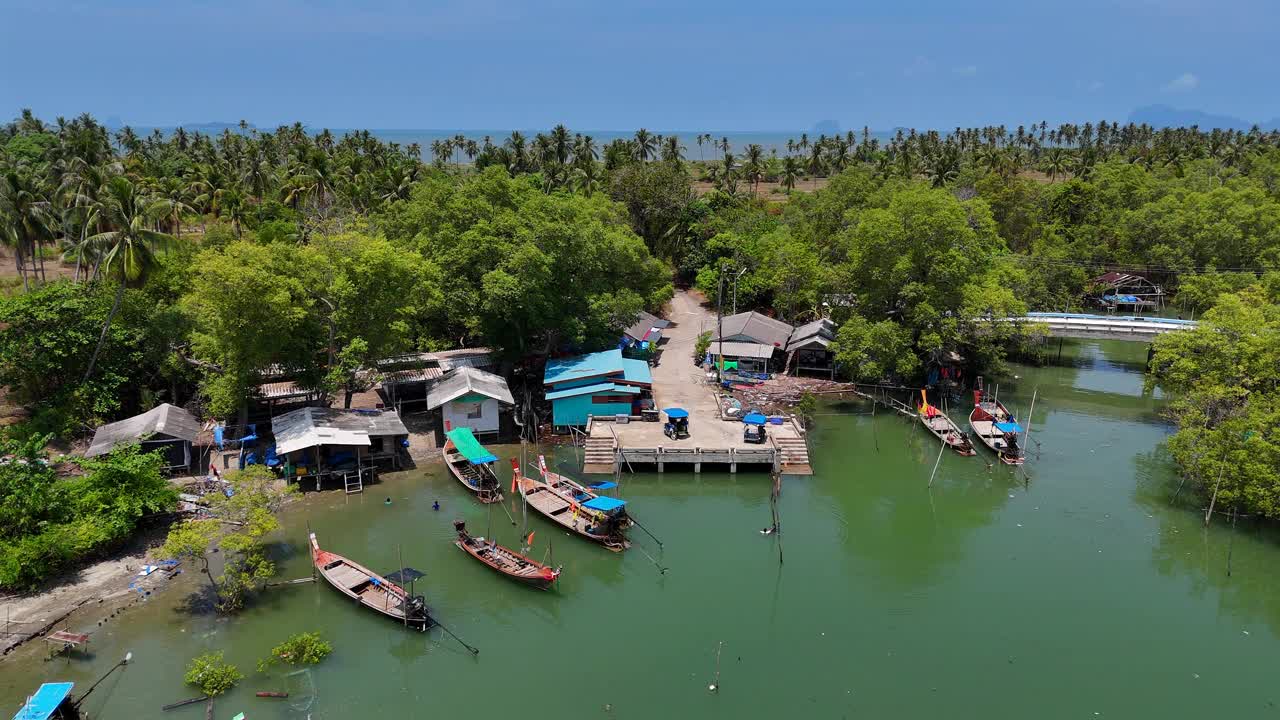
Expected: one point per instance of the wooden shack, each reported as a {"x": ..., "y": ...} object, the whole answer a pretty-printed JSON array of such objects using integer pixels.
[
  {"x": 325, "y": 441},
  {"x": 165, "y": 428}
]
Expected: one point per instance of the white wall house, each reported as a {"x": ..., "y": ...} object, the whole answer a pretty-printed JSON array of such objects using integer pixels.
[{"x": 471, "y": 398}]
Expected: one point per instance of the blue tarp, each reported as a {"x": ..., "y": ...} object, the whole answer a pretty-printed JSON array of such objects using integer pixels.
[
  {"x": 45, "y": 702},
  {"x": 754, "y": 418},
  {"x": 604, "y": 485},
  {"x": 604, "y": 504},
  {"x": 676, "y": 412},
  {"x": 1012, "y": 427}
]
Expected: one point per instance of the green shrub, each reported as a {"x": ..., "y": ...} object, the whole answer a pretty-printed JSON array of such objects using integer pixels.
[
  {"x": 212, "y": 675},
  {"x": 301, "y": 649},
  {"x": 700, "y": 347}
]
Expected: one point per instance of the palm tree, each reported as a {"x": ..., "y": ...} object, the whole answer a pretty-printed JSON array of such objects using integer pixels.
[
  {"x": 700, "y": 139},
  {"x": 791, "y": 171},
  {"x": 586, "y": 178},
  {"x": 130, "y": 245},
  {"x": 645, "y": 145},
  {"x": 672, "y": 150},
  {"x": 1056, "y": 163},
  {"x": 28, "y": 220},
  {"x": 753, "y": 166}
]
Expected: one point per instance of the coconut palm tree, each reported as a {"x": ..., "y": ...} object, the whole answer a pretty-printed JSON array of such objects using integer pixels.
[
  {"x": 672, "y": 150},
  {"x": 1056, "y": 163},
  {"x": 646, "y": 145},
  {"x": 28, "y": 220},
  {"x": 130, "y": 246},
  {"x": 791, "y": 171}
]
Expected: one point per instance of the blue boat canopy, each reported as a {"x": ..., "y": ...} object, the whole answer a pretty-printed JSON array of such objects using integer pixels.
[
  {"x": 604, "y": 485},
  {"x": 45, "y": 702},
  {"x": 675, "y": 412},
  {"x": 754, "y": 418},
  {"x": 604, "y": 504},
  {"x": 1008, "y": 427}
]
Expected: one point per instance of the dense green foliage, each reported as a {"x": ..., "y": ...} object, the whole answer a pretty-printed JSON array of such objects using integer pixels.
[
  {"x": 1225, "y": 380},
  {"x": 211, "y": 674},
  {"x": 214, "y": 263},
  {"x": 48, "y": 522},
  {"x": 306, "y": 648}
]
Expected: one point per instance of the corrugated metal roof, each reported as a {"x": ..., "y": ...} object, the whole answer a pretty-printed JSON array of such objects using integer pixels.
[
  {"x": 411, "y": 375},
  {"x": 639, "y": 330},
  {"x": 581, "y": 367},
  {"x": 636, "y": 371},
  {"x": 824, "y": 330},
  {"x": 286, "y": 389},
  {"x": 741, "y": 349},
  {"x": 310, "y": 426},
  {"x": 761, "y": 328},
  {"x": 467, "y": 380},
  {"x": 592, "y": 390},
  {"x": 163, "y": 419}
]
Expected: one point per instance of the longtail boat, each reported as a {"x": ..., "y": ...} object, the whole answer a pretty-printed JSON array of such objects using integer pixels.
[
  {"x": 996, "y": 427},
  {"x": 369, "y": 588},
  {"x": 576, "y": 492},
  {"x": 471, "y": 464},
  {"x": 518, "y": 567},
  {"x": 600, "y": 519},
  {"x": 944, "y": 428}
]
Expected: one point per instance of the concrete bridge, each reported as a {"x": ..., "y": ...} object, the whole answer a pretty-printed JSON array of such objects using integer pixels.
[{"x": 1105, "y": 327}]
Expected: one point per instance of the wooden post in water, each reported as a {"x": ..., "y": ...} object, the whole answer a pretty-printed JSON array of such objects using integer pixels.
[
  {"x": 874, "y": 436},
  {"x": 943, "y": 443},
  {"x": 404, "y": 601},
  {"x": 1213, "y": 500}
]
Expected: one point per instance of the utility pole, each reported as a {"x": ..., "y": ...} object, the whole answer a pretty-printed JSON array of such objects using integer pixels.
[
  {"x": 741, "y": 272},
  {"x": 718, "y": 342}
]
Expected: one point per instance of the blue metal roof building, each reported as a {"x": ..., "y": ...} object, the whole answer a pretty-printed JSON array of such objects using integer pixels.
[{"x": 603, "y": 383}]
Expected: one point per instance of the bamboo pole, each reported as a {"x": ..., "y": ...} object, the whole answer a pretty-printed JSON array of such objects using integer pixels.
[
  {"x": 936, "y": 463},
  {"x": 1209, "y": 513}
]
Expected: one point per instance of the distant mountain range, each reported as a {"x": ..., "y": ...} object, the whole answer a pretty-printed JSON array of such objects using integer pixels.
[{"x": 1166, "y": 116}]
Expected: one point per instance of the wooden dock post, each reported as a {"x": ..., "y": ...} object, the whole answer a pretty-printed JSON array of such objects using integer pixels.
[
  {"x": 733, "y": 461},
  {"x": 660, "y": 455},
  {"x": 697, "y": 460}
]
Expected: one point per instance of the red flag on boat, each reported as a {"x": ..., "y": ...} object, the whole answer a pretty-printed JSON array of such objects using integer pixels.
[
  {"x": 528, "y": 542},
  {"x": 977, "y": 397}
]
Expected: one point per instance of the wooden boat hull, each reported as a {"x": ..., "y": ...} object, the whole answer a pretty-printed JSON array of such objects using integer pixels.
[
  {"x": 456, "y": 464},
  {"x": 560, "y": 511},
  {"x": 368, "y": 588},
  {"x": 947, "y": 431},
  {"x": 569, "y": 489},
  {"x": 524, "y": 570},
  {"x": 982, "y": 422}
]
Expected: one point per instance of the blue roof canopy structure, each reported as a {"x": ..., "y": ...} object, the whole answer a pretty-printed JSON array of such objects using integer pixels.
[
  {"x": 604, "y": 504},
  {"x": 675, "y": 412},
  {"x": 603, "y": 485},
  {"x": 1009, "y": 427},
  {"x": 581, "y": 367},
  {"x": 592, "y": 389},
  {"x": 754, "y": 418},
  {"x": 45, "y": 702}
]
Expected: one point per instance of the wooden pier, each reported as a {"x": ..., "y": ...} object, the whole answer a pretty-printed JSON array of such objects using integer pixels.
[{"x": 611, "y": 447}]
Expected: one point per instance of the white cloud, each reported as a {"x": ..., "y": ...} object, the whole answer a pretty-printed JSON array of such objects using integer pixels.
[
  {"x": 920, "y": 66},
  {"x": 965, "y": 70},
  {"x": 1186, "y": 82}
]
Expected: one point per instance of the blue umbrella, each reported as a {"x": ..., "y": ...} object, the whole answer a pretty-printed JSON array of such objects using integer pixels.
[
  {"x": 754, "y": 418},
  {"x": 675, "y": 412}
]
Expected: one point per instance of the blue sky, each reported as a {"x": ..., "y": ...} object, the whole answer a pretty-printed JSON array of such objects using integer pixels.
[{"x": 613, "y": 64}]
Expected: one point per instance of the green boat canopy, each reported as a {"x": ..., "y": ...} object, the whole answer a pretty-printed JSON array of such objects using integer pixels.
[{"x": 470, "y": 448}]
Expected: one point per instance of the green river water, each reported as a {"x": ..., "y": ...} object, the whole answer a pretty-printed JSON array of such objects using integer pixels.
[{"x": 1080, "y": 594}]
